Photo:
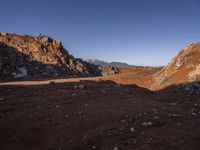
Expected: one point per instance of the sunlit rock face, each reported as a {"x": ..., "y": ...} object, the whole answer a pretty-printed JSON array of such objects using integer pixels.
[
  {"x": 32, "y": 56},
  {"x": 184, "y": 68}
]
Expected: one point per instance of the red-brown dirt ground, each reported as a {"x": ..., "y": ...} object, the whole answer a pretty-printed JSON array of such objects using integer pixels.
[{"x": 102, "y": 113}]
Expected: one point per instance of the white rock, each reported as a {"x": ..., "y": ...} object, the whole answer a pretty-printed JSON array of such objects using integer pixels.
[
  {"x": 194, "y": 114},
  {"x": 156, "y": 117},
  {"x": 81, "y": 86},
  {"x": 66, "y": 116},
  {"x": 22, "y": 73},
  {"x": 57, "y": 106},
  {"x": 174, "y": 115},
  {"x": 75, "y": 87},
  {"x": 147, "y": 124},
  {"x": 132, "y": 129},
  {"x": 115, "y": 148},
  {"x": 74, "y": 94}
]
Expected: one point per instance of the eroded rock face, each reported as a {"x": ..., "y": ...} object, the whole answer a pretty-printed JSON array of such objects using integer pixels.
[
  {"x": 184, "y": 68},
  {"x": 27, "y": 56},
  {"x": 194, "y": 75},
  {"x": 182, "y": 73}
]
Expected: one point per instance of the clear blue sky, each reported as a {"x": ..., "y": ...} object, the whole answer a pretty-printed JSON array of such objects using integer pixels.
[{"x": 143, "y": 32}]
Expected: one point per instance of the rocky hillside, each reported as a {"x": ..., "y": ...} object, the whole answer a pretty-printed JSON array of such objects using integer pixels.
[
  {"x": 32, "y": 56},
  {"x": 184, "y": 68}
]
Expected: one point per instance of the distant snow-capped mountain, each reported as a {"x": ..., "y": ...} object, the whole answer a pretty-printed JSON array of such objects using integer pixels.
[{"x": 104, "y": 63}]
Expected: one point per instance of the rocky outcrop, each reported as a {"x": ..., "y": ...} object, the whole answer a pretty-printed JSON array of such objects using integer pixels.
[
  {"x": 35, "y": 56},
  {"x": 184, "y": 68},
  {"x": 108, "y": 70}
]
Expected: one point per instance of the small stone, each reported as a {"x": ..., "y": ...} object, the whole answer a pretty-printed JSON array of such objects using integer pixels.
[
  {"x": 140, "y": 115},
  {"x": 48, "y": 119},
  {"x": 1, "y": 99},
  {"x": 134, "y": 142},
  {"x": 93, "y": 147},
  {"x": 156, "y": 117},
  {"x": 57, "y": 106},
  {"x": 154, "y": 111},
  {"x": 147, "y": 124},
  {"x": 132, "y": 129},
  {"x": 174, "y": 115},
  {"x": 123, "y": 121},
  {"x": 66, "y": 116},
  {"x": 194, "y": 114},
  {"x": 81, "y": 86},
  {"x": 173, "y": 104},
  {"x": 75, "y": 87},
  {"x": 115, "y": 148},
  {"x": 80, "y": 113}
]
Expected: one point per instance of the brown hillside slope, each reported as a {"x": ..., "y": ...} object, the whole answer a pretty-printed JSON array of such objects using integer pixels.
[{"x": 184, "y": 68}]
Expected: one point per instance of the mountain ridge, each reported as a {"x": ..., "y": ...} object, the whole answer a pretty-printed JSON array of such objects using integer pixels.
[{"x": 105, "y": 63}]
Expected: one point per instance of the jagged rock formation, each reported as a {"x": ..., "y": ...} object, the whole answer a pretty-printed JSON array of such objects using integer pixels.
[
  {"x": 184, "y": 68},
  {"x": 26, "y": 55}
]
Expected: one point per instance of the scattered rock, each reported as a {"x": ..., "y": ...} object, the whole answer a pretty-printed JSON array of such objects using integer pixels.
[
  {"x": 21, "y": 72},
  {"x": 115, "y": 148},
  {"x": 108, "y": 70},
  {"x": 66, "y": 116},
  {"x": 147, "y": 124},
  {"x": 73, "y": 94},
  {"x": 75, "y": 87},
  {"x": 93, "y": 147},
  {"x": 81, "y": 86},
  {"x": 156, "y": 117},
  {"x": 174, "y": 115},
  {"x": 132, "y": 129},
  {"x": 194, "y": 114},
  {"x": 57, "y": 106}
]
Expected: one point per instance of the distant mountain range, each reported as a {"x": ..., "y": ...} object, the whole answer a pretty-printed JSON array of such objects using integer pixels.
[{"x": 104, "y": 63}]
